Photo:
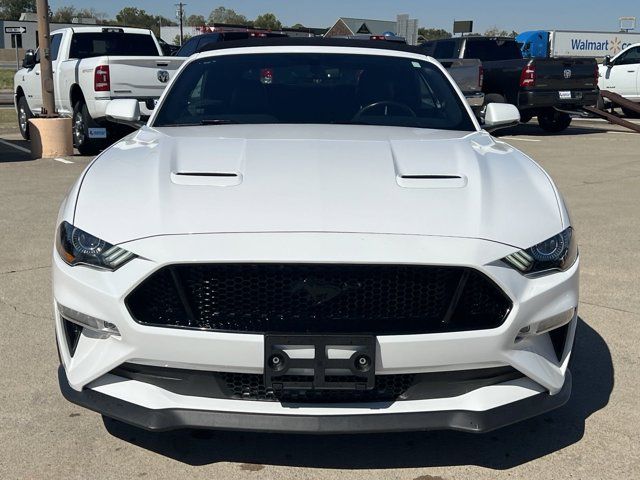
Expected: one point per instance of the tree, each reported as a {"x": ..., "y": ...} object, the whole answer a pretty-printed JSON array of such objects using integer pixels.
[
  {"x": 433, "y": 33},
  {"x": 185, "y": 37},
  {"x": 12, "y": 9},
  {"x": 227, "y": 15},
  {"x": 267, "y": 21},
  {"x": 67, "y": 14},
  {"x": 496, "y": 32},
  {"x": 299, "y": 26},
  {"x": 136, "y": 17},
  {"x": 196, "y": 20}
]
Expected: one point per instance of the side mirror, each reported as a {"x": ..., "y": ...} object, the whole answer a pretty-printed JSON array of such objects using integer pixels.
[
  {"x": 500, "y": 115},
  {"x": 29, "y": 60},
  {"x": 123, "y": 110},
  {"x": 607, "y": 61}
]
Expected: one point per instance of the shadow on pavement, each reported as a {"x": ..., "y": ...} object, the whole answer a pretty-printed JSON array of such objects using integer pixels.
[
  {"x": 593, "y": 381},
  {"x": 533, "y": 130},
  {"x": 9, "y": 154}
]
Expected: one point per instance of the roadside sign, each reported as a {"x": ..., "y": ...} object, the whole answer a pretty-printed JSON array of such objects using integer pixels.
[{"x": 15, "y": 30}]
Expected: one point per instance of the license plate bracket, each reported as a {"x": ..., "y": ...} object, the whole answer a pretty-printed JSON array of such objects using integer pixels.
[{"x": 359, "y": 362}]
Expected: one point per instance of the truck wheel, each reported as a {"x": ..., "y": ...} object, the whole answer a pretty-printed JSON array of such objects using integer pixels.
[
  {"x": 553, "y": 121},
  {"x": 82, "y": 122},
  {"x": 631, "y": 113},
  {"x": 24, "y": 114}
]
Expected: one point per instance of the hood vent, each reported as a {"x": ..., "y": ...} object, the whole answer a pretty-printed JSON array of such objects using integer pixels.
[
  {"x": 215, "y": 179},
  {"x": 431, "y": 181}
]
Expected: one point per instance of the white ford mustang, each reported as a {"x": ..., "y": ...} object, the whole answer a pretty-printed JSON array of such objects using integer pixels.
[{"x": 315, "y": 236}]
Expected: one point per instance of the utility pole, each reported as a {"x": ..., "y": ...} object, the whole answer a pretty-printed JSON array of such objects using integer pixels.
[
  {"x": 46, "y": 73},
  {"x": 180, "y": 15}
]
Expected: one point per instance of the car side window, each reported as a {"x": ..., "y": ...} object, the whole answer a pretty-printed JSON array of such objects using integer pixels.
[
  {"x": 55, "y": 46},
  {"x": 630, "y": 57},
  {"x": 188, "y": 48}
]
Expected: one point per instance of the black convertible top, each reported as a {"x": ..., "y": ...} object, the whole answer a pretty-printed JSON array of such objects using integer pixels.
[{"x": 310, "y": 41}]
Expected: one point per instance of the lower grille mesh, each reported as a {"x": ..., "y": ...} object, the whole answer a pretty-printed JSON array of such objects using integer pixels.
[
  {"x": 319, "y": 298},
  {"x": 251, "y": 387}
]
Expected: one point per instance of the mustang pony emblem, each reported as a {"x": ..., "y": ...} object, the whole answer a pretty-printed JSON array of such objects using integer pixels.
[{"x": 320, "y": 291}]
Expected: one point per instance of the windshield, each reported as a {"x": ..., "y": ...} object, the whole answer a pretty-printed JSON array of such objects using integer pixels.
[
  {"x": 313, "y": 88},
  {"x": 492, "y": 50},
  {"x": 96, "y": 44}
]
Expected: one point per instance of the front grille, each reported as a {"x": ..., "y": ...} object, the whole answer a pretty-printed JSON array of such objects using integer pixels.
[
  {"x": 242, "y": 386},
  {"x": 319, "y": 298}
]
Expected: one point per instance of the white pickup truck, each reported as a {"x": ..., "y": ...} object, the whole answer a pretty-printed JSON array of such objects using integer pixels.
[
  {"x": 621, "y": 75},
  {"x": 91, "y": 66}
]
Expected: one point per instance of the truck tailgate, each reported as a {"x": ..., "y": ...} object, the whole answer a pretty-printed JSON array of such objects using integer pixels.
[
  {"x": 465, "y": 72},
  {"x": 141, "y": 77},
  {"x": 565, "y": 73}
]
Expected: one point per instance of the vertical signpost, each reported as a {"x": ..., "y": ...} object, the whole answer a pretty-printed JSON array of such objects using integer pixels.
[{"x": 16, "y": 37}]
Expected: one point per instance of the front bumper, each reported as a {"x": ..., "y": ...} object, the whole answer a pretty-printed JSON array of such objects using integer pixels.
[
  {"x": 176, "y": 418},
  {"x": 88, "y": 379}
]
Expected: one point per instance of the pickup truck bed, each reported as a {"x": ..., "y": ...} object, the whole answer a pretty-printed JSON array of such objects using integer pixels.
[{"x": 91, "y": 66}]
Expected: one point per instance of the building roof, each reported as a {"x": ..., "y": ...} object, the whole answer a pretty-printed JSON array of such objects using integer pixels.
[{"x": 374, "y": 27}]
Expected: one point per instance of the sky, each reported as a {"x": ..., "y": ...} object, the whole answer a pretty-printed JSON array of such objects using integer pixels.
[{"x": 504, "y": 14}]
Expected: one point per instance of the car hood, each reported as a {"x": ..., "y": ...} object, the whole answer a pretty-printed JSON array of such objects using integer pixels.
[{"x": 322, "y": 178}]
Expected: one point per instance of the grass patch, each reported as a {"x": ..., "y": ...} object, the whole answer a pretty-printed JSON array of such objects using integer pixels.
[{"x": 6, "y": 79}]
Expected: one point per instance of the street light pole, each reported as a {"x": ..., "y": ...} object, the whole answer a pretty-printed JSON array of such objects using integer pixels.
[
  {"x": 180, "y": 13},
  {"x": 46, "y": 72}
]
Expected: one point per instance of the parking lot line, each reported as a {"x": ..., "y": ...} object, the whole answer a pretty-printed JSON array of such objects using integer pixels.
[
  {"x": 62, "y": 160},
  {"x": 622, "y": 133},
  {"x": 17, "y": 147}
]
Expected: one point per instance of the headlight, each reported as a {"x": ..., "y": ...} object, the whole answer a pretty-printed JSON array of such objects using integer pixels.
[
  {"x": 77, "y": 247},
  {"x": 556, "y": 253}
]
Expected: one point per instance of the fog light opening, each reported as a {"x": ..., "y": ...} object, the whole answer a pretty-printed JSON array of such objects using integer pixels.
[
  {"x": 546, "y": 325},
  {"x": 87, "y": 321}
]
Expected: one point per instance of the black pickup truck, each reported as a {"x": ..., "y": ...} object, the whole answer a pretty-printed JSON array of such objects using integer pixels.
[{"x": 549, "y": 88}]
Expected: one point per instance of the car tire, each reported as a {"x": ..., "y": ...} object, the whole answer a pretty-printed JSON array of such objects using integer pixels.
[
  {"x": 553, "y": 121},
  {"x": 631, "y": 113},
  {"x": 24, "y": 114},
  {"x": 82, "y": 122}
]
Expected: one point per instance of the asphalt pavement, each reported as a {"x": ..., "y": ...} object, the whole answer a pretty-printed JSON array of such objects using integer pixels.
[{"x": 595, "y": 436}]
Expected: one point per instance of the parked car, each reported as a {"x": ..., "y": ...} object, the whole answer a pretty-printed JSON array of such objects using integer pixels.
[
  {"x": 621, "y": 75},
  {"x": 91, "y": 66},
  {"x": 315, "y": 236},
  {"x": 199, "y": 42},
  {"x": 549, "y": 88}
]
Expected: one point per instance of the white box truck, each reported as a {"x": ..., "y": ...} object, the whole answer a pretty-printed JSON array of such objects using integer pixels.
[{"x": 565, "y": 43}]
